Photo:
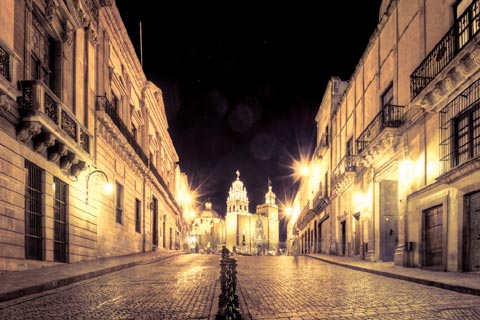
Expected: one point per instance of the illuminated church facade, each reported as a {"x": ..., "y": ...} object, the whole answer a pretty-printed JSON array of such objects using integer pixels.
[{"x": 251, "y": 233}]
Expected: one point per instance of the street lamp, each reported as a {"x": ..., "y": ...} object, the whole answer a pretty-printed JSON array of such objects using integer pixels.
[{"x": 107, "y": 186}]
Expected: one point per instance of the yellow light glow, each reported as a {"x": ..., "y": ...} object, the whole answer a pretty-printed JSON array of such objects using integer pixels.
[
  {"x": 304, "y": 171},
  {"x": 108, "y": 188},
  {"x": 192, "y": 214},
  {"x": 288, "y": 211}
]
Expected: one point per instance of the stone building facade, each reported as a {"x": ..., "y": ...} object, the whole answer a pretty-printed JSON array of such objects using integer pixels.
[
  {"x": 251, "y": 233},
  {"x": 207, "y": 234},
  {"x": 403, "y": 144},
  {"x": 76, "y": 111}
]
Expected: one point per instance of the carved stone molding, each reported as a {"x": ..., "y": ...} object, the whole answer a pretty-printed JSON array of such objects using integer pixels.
[
  {"x": 77, "y": 168},
  {"x": 460, "y": 172},
  {"x": 343, "y": 181},
  {"x": 68, "y": 160},
  {"x": 43, "y": 141},
  {"x": 51, "y": 9},
  {"x": 5, "y": 103},
  {"x": 28, "y": 129},
  {"x": 57, "y": 151},
  {"x": 92, "y": 35}
]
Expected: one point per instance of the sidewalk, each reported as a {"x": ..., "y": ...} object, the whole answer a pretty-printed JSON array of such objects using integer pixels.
[
  {"x": 456, "y": 281},
  {"x": 21, "y": 283}
]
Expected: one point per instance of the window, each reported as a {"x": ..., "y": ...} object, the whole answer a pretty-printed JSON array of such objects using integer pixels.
[
  {"x": 387, "y": 96},
  {"x": 138, "y": 208},
  {"x": 33, "y": 212},
  {"x": 466, "y": 130},
  {"x": 460, "y": 129},
  {"x": 134, "y": 132},
  {"x": 115, "y": 103},
  {"x": 349, "y": 149},
  {"x": 119, "y": 203},
  {"x": 43, "y": 56},
  {"x": 60, "y": 220}
]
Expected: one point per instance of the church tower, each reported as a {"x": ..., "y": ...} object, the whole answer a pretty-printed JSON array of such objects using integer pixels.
[
  {"x": 237, "y": 217},
  {"x": 269, "y": 213},
  {"x": 237, "y": 202}
]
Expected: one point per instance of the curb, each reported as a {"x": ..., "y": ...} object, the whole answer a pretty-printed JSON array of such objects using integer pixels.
[
  {"x": 432, "y": 283},
  {"x": 53, "y": 284}
]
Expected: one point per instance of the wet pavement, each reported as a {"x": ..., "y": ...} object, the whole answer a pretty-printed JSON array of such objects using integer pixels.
[{"x": 171, "y": 285}]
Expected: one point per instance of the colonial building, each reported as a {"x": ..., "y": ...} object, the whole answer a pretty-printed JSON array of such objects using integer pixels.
[
  {"x": 76, "y": 112},
  {"x": 252, "y": 233},
  {"x": 403, "y": 147},
  {"x": 207, "y": 233}
]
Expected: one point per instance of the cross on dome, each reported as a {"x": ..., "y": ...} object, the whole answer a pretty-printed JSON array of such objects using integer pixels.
[{"x": 238, "y": 175}]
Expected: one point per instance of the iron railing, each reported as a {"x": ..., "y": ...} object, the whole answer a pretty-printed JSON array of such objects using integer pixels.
[
  {"x": 321, "y": 200},
  {"x": 324, "y": 141},
  {"x": 5, "y": 64},
  {"x": 464, "y": 29},
  {"x": 391, "y": 116},
  {"x": 228, "y": 306},
  {"x": 460, "y": 129},
  {"x": 347, "y": 164},
  {"x": 53, "y": 109},
  {"x": 105, "y": 105}
]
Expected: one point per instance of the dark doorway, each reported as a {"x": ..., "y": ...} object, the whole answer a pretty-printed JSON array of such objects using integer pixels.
[
  {"x": 432, "y": 235},
  {"x": 164, "y": 238},
  {"x": 471, "y": 252},
  {"x": 155, "y": 222},
  {"x": 344, "y": 237}
]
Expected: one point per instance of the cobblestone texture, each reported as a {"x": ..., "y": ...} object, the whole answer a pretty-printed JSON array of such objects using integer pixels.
[
  {"x": 180, "y": 288},
  {"x": 304, "y": 288},
  {"x": 187, "y": 287}
]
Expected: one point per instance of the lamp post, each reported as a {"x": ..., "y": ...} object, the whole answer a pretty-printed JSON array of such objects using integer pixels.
[{"x": 107, "y": 187}]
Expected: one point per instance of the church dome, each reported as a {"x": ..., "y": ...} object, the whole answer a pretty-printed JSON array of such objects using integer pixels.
[{"x": 208, "y": 211}]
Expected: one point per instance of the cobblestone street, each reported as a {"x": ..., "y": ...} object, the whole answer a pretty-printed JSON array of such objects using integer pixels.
[
  {"x": 304, "y": 288},
  {"x": 187, "y": 287}
]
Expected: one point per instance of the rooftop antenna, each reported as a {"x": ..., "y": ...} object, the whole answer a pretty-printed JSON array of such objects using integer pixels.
[{"x": 141, "y": 46}]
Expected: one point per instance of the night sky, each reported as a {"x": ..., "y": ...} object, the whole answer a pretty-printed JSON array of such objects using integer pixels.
[{"x": 242, "y": 82}]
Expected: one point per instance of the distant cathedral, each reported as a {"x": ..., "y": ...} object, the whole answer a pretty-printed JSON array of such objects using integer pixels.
[{"x": 253, "y": 233}]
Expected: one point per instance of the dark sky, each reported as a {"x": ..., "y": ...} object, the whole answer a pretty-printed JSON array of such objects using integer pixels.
[{"x": 242, "y": 82}]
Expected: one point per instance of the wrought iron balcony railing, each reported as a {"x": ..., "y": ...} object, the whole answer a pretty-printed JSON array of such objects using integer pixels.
[
  {"x": 347, "y": 164},
  {"x": 105, "y": 105},
  {"x": 323, "y": 143},
  {"x": 38, "y": 100},
  {"x": 4, "y": 64},
  {"x": 391, "y": 116},
  {"x": 321, "y": 200},
  {"x": 463, "y": 30}
]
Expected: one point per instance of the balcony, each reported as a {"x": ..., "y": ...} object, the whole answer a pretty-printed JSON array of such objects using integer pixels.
[
  {"x": 433, "y": 78},
  {"x": 104, "y": 105},
  {"x": 107, "y": 115},
  {"x": 5, "y": 64},
  {"x": 376, "y": 137},
  {"x": 321, "y": 201},
  {"x": 322, "y": 144},
  {"x": 52, "y": 127},
  {"x": 344, "y": 173},
  {"x": 305, "y": 216}
]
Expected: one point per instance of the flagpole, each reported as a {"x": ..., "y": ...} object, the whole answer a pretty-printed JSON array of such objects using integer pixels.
[{"x": 141, "y": 46}]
